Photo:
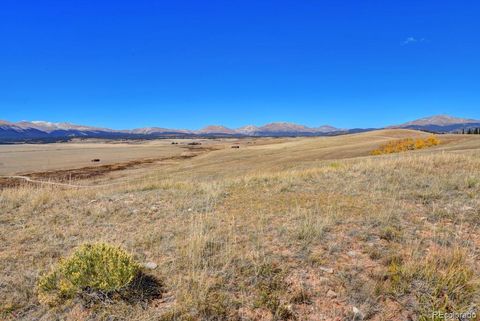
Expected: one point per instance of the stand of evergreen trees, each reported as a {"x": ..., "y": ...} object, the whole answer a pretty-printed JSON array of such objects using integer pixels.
[{"x": 471, "y": 131}]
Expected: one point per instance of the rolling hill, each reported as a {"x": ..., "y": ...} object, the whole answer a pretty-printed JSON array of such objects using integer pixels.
[{"x": 311, "y": 228}]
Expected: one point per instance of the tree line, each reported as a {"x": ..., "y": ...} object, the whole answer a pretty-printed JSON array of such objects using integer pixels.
[{"x": 471, "y": 131}]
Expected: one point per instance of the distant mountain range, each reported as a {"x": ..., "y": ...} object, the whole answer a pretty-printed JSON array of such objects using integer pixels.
[
  {"x": 440, "y": 124},
  {"x": 272, "y": 129},
  {"x": 47, "y": 131},
  {"x": 41, "y": 130}
]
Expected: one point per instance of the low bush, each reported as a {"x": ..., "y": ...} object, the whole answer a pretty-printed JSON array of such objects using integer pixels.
[{"x": 100, "y": 268}]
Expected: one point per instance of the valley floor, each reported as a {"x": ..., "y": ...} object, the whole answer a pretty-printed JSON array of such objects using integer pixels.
[{"x": 294, "y": 229}]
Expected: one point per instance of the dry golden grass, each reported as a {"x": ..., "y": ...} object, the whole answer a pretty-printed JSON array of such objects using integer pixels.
[
  {"x": 251, "y": 234},
  {"x": 27, "y": 158}
]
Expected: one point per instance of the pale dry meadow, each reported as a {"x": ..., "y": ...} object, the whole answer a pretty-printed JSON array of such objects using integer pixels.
[{"x": 291, "y": 229}]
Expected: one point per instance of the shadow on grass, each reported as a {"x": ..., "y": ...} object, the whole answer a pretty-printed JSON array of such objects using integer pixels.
[{"x": 143, "y": 289}]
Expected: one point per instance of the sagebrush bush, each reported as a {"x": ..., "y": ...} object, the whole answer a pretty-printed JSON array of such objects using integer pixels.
[{"x": 92, "y": 267}]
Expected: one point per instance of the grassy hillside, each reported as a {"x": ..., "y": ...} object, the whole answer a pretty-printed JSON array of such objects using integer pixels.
[{"x": 294, "y": 229}]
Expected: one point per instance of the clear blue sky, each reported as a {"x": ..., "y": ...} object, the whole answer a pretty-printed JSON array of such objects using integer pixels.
[{"x": 186, "y": 64}]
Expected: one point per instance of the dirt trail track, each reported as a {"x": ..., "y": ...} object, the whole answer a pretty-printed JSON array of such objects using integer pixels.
[{"x": 29, "y": 180}]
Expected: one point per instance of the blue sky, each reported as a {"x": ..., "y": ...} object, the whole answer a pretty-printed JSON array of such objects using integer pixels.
[{"x": 186, "y": 64}]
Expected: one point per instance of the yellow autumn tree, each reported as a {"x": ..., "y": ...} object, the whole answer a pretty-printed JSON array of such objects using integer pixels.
[{"x": 403, "y": 145}]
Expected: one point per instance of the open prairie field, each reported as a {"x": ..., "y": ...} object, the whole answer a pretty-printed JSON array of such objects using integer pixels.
[
  {"x": 278, "y": 229},
  {"x": 25, "y": 158}
]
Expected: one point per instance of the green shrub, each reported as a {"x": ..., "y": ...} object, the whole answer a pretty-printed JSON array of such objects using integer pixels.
[
  {"x": 99, "y": 267},
  {"x": 391, "y": 233}
]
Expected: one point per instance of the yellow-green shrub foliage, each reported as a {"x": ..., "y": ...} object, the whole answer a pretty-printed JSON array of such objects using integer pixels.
[
  {"x": 397, "y": 146},
  {"x": 96, "y": 267}
]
